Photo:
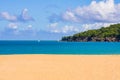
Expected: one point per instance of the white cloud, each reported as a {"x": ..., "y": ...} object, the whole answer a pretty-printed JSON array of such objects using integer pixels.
[
  {"x": 65, "y": 29},
  {"x": 23, "y": 17},
  {"x": 104, "y": 11},
  {"x": 93, "y": 16},
  {"x": 86, "y": 27},
  {"x": 13, "y": 25},
  {"x": 7, "y": 16},
  {"x": 53, "y": 25},
  {"x": 29, "y": 26},
  {"x": 56, "y": 31},
  {"x": 69, "y": 16}
]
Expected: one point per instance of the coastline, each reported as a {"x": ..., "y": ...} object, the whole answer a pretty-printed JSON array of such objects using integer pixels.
[{"x": 59, "y": 67}]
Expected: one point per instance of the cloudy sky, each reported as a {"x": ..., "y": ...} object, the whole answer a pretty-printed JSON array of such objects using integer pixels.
[{"x": 52, "y": 19}]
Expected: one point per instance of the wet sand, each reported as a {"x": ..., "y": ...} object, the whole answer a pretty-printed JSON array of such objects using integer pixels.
[{"x": 59, "y": 67}]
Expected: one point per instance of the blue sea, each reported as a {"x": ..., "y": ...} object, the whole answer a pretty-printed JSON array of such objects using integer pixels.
[{"x": 56, "y": 47}]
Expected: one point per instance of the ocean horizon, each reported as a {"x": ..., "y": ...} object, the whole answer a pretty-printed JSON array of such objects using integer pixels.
[{"x": 57, "y": 47}]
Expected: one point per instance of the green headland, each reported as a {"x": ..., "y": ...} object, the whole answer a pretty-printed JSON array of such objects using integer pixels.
[{"x": 105, "y": 34}]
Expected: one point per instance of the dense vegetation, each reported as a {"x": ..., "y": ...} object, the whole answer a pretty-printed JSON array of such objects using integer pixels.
[{"x": 108, "y": 34}]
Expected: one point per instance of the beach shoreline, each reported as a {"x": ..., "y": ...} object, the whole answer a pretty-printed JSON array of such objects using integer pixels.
[{"x": 59, "y": 67}]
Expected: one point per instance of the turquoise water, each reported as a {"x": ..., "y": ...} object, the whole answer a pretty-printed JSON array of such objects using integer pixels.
[{"x": 55, "y": 47}]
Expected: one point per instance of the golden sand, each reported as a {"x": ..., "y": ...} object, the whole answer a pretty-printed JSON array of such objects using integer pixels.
[{"x": 59, "y": 67}]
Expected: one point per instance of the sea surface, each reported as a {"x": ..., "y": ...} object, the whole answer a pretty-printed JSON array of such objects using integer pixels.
[{"x": 56, "y": 47}]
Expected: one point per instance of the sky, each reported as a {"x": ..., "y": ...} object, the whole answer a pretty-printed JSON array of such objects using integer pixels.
[{"x": 53, "y": 19}]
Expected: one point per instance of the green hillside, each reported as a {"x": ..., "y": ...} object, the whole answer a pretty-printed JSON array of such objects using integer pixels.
[{"x": 109, "y": 34}]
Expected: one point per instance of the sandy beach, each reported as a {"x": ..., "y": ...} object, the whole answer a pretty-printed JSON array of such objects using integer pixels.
[{"x": 59, "y": 67}]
